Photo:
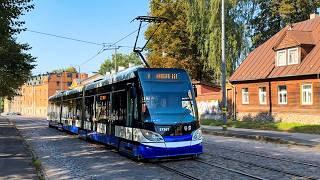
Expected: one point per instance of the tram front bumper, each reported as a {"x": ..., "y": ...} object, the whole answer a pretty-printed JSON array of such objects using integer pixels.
[{"x": 169, "y": 149}]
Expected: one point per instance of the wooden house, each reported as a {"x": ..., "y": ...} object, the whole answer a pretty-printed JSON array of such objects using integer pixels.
[{"x": 282, "y": 76}]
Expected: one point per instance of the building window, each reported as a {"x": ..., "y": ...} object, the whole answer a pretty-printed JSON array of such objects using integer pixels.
[
  {"x": 293, "y": 56},
  {"x": 281, "y": 58},
  {"x": 245, "y": 96},
  {"x": 306, "y": 94},
  {"x": 69, "y": 83},
  {"x": 282, "y": 94},
  {"x": 69, "y": 75},
  {"x": 262, "y": 95},
  {"x": 58, "y": 83}
]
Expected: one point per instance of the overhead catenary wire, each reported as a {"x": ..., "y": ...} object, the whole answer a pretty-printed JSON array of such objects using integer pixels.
[
  {"x": 112, "y": 45},
  {"x": 105, "y": 46},
  {"x": 65, "y": 37}
]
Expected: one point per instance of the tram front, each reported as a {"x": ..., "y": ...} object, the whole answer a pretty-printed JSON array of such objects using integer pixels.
[{"x": 169, "y": 113}]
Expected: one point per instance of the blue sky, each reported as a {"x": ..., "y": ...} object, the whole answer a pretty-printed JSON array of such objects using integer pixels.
[{"x": 101, "y": 21}]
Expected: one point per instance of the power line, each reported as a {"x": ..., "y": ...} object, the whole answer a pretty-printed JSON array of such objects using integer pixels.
[
  {"x": 99, "y": 52},
  {"x": 107, "y": 47},
  {"x": 68, "y": 38},
  {"x": 126, "y": 36}
]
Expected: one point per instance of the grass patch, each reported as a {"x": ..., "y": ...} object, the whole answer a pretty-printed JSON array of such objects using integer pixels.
[{"x": 274, "y": 126}]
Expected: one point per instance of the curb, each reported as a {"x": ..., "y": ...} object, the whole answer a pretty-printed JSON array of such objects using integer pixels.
[
  {"x": 40, "y": 170},
  {"x": 254, "y": 137}
]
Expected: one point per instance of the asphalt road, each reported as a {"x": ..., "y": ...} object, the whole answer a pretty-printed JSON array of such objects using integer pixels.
[{"x": 64, "y": 156}]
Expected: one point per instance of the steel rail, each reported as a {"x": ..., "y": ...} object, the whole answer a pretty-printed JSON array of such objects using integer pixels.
[
  {"x": 264, "y": 167},
  {"x": 266, "y": 156},
  {"x": 231, "y": 170},
  {"x": 177, "y": 172}
]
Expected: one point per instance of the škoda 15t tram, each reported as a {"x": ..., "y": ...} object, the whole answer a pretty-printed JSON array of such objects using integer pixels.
[{"x": 145, "y": 113}]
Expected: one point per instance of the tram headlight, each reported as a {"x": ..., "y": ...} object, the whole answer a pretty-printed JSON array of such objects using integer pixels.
[
  {"x": 152, "y": 136},
  {"x": 197, "y": 135}
]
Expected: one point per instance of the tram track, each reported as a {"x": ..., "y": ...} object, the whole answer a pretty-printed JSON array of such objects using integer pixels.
[
  {"x": 295, "y": 175},
  {"x": 182, "y": 174},
  {"x": 266, "y": 156},
  {"x": 231, "y": 170}
]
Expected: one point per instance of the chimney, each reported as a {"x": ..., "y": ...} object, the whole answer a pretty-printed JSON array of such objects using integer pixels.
[{"x": 314, "y": 15}]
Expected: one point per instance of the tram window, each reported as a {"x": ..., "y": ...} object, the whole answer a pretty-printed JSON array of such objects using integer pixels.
[
  {"x": 89, "y": 103},
  {"x": 66, "y": 107},
  {"x": 78, "y": 109},
  {"x": 102, "y": 107},
  {"x": 119, "y": 105}
]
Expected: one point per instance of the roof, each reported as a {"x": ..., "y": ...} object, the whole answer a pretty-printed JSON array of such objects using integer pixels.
[
  {"x": 293, "y": 38},
  {"x": 260, "y": 63}
]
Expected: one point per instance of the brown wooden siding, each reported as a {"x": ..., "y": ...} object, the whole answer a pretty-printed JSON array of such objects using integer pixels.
[{"x": 293, "y": 105}]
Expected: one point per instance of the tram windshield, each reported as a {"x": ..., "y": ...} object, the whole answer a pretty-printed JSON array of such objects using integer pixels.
[{"x": 168, "y": 102}]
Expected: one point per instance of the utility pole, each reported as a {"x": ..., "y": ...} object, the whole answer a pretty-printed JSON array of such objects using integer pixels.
[
  {"x": 223, "y": 67},
  {"x": 115, "y": 48},
  {"x": 115, "y": 59}
]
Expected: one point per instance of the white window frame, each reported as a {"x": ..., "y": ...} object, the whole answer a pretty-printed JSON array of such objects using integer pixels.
[
  {"x": 243, "y": 95},
  {"x": 296, "y": 61},
  {"x": 261, "y": 94},
  {"x": 282, "y": 93},
  {"x": 285, "y": 54},
  {"x": 303, "y": 90}
]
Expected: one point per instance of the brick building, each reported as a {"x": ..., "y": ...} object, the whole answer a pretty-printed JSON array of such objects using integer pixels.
[
  {"x": 34, "y": 94},
  {"x": 281, "y": 77}
]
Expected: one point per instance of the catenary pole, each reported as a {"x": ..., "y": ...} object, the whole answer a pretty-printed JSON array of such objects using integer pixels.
[{"x": 223, "y": 66}]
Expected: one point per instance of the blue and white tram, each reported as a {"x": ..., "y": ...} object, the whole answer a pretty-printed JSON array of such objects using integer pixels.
[{"x": 143, "y": 112}]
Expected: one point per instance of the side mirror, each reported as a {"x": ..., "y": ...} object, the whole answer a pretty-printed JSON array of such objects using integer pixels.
[{"x": 195, "y": 90}]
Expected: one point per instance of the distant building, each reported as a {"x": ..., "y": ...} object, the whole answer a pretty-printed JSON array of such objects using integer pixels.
[
  {"x": 34, "y": 94},
  {"x": 281, "y": 77}
]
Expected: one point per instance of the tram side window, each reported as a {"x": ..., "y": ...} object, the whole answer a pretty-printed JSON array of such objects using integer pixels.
[
  {"x": 78, "y": 109},
  {"x": 73, "y": 110},
  {"x": 89, "y": 109},
  {"x": 102, "y": 107},
  {"x": 119, "y": 105},
  {"x": 57, "y": 110},
  {"x": 66, "y": 110}
]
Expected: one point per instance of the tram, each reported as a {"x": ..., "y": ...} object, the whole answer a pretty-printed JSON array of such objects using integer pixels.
[{"x": 145, "y": 113}]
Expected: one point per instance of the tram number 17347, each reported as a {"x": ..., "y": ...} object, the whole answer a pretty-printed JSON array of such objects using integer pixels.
[{"x": 145, "y": 113}]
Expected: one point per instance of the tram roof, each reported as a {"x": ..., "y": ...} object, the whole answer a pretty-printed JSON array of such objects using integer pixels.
[{"x": 126, "y": 74}]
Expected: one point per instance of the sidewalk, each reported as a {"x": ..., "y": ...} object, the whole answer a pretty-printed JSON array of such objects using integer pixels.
[
  {"x": 15, "y": 157},
  {"x": 310, "y": 140}
]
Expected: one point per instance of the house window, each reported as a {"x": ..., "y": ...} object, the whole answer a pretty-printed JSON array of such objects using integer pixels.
[
  {"x": 262, "y": 95},
  {"x": 282, "y": 58},
  {"x": 306, "y": 94},
  {"x": 282, "y": 94},
  {"x": 293, "y": 56},
  {"x": 69, "y": 75},
  {"x": 245, "y": 96}
]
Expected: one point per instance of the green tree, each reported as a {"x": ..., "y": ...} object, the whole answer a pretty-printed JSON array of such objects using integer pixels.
[
  {"x": 171, "y": 45},
  {"x": 122, "y": 60},
  {"x": 70, "y": 69},
  {"x": 192, "y": 39},
  {"x": 273, "y": 15},
  {"x": 15, "y": 63}
]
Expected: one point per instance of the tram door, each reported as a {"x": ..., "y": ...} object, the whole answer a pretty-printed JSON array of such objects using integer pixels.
[{"x": 132, "y": 114}]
